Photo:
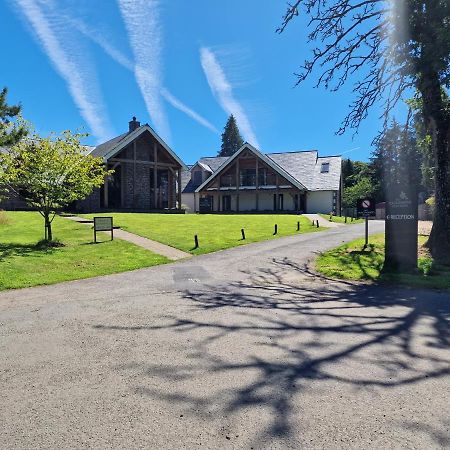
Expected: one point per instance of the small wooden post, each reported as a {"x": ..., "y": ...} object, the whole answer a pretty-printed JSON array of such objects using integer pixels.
[
  {"x": 346, "y": 219},
  {"x": 298, "y": 226},
  {"x": 243, "y": 234},
  {"x": 317, "y": 223},
  {"x": 196, "y": 241},
  {"x": 276, "y": 230}
]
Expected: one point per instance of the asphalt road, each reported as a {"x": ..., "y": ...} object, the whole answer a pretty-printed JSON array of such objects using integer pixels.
[{"x": 244, "y": 348}]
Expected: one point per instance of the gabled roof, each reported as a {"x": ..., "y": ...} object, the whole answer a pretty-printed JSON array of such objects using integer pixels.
[
  {"x": 110, "y": 148},
  {"x": 213, "y": 162},
  {"x": 261, "y": 156}
]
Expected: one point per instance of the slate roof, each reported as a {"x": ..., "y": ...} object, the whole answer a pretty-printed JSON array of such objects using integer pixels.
[
  {"x": 187, "y": 186},
  {"x": 213, "y": 162},
  {"x": 299, "y": 165},
  {"x": 304, "y": 166},
  {"x": 103, "y": 149}
]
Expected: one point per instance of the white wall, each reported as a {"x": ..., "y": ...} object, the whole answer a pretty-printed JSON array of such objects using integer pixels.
[
  {"x": 188, "y": 200},
  {"x": 265, "y": 201},
  {"x": 319, "y": 202},
  {"x": 247, "y": 201}
]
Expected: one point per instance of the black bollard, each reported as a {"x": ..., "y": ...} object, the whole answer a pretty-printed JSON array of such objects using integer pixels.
[
  {"x": 196, "y": 241},
  {"x": 345, "y": 220},
  {"x": 298, "y": 226},
  {"x": 243, "y": 234},
  {"x": 317, "y": 223},
  {"x": 276, "y": 230}
]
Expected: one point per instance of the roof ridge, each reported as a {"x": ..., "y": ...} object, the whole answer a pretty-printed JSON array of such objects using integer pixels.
[{"x": 293, "y": 151}]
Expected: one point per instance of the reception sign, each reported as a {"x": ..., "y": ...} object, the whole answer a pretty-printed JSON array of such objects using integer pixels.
[{"x": 401, "y": 229}]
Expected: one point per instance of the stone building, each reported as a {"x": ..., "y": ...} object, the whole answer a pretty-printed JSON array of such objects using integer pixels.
[{"x": 147, "y": 173}]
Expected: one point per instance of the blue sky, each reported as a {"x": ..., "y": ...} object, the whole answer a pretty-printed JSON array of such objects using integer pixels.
[{"x": 181, "y": 66}]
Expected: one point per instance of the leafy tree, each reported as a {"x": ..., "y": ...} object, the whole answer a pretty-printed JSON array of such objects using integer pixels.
[
  {"x": 387, "y": 48},
  {"x": 231, "y": 138},
  {"x": 362, "y": 188},
  {"x": 52, "y": 172},
  {"x": 10, "y": 133}
]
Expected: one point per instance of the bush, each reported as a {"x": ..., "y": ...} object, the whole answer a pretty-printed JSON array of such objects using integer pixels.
[{"x": 426, "y": 266}]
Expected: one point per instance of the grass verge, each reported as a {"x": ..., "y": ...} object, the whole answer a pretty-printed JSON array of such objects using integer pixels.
[
  {"x": 338, "y": 219},
  {"x": 25, "y": 262},
  {"x": 352, "y": 262},
  {"x": 215, "y": 231}
]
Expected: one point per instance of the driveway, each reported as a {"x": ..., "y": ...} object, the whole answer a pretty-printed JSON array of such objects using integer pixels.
[{"x": 244, "y": 348}]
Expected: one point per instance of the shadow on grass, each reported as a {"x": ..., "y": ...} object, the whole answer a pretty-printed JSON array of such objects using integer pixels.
[
  {"x": 12, "y": 249},
  {"x": 318, "y": 333}
]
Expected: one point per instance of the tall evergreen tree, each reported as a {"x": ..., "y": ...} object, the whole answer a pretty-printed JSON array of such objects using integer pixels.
[
  {"x": 10, "y": 133},
  {"x": 231, "y": 138}
]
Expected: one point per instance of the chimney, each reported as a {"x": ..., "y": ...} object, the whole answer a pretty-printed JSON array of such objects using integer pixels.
[{"x": 133, "y": 124}]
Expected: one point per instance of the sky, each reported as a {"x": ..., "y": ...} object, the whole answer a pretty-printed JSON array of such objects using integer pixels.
[{"x": 181, "y": 66}]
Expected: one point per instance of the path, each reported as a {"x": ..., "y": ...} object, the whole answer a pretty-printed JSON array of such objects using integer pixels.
[
  {"x": 322, "y": 222},
  {"x": 156, "y": 247},
  {"x": 244, "y": 348}
]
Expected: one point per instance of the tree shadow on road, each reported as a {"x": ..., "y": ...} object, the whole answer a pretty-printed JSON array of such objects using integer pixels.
[{"x": 314, "y": 330}]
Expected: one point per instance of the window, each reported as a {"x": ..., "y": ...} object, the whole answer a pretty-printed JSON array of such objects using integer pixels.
[
  {"x": 325, "y": 167},
  {"x": 228, "y": 180},
  {"x": 248, "y": 177},
  {"x": 266, "y": 178}
]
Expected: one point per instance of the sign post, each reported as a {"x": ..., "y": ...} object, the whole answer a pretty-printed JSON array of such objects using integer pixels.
[
  {"x": 401, "y": 229},
  {"x": 365, "y": 207},
  {"x": 103, "y": 224}
]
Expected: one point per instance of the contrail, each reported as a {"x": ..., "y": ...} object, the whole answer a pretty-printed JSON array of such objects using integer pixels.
[{"x": 223, "y": 91}]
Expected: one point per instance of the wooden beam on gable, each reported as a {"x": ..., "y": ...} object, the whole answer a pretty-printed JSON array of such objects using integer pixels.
[{"x": 155, "y": 175}]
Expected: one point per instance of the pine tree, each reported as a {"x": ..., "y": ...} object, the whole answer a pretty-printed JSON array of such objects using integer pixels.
[
  {"x": 10, "y": 133},
  {"x": 231, "y": 138}
]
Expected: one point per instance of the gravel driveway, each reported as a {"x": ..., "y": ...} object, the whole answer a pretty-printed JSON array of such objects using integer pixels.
[{"x": 239, "y": 349}]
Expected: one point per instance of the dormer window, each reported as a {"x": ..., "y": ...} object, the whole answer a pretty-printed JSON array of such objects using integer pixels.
[{"x": 325, "y": 167}]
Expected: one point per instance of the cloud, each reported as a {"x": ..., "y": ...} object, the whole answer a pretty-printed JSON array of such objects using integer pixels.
[
  {"x": 142, "y": 20},
  {"x": 125, "y": 62},
  {"x": 223, "y": 91},
  {"x": 72, "y": 65}
]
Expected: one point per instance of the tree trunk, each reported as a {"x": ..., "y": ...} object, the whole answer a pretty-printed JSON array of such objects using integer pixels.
[
  {"x": 48, "y": 228},
  {"x": 438, "y": 124}
]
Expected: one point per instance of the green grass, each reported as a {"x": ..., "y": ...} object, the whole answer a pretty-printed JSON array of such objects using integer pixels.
[
  {"x": 351, "y": 262},
  {"x": 215, "y": 231},
  {"x": 338, "y": 219},
  {"x": 23, "y": 263}
]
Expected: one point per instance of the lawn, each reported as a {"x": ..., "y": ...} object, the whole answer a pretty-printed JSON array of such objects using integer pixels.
[
  {"x": 215, "y": 231},
  {"x": 338, "y": 219},
  {"x": 23, "y": 263},
  {"x": 352, "y": 262}
]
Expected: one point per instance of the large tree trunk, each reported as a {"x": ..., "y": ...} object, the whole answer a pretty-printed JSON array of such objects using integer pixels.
[{"x": 438, "y": 124}]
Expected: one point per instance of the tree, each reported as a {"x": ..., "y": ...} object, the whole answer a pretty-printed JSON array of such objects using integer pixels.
[
  {"x": 350, "y": 195},
  {"x": 388, "y": 48},
  {"x": 10, "y": 133},
  {"x": 231, "y": 138},
  {"x": 52, "y": 172},
  {"x": 396, "y": 159}
]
